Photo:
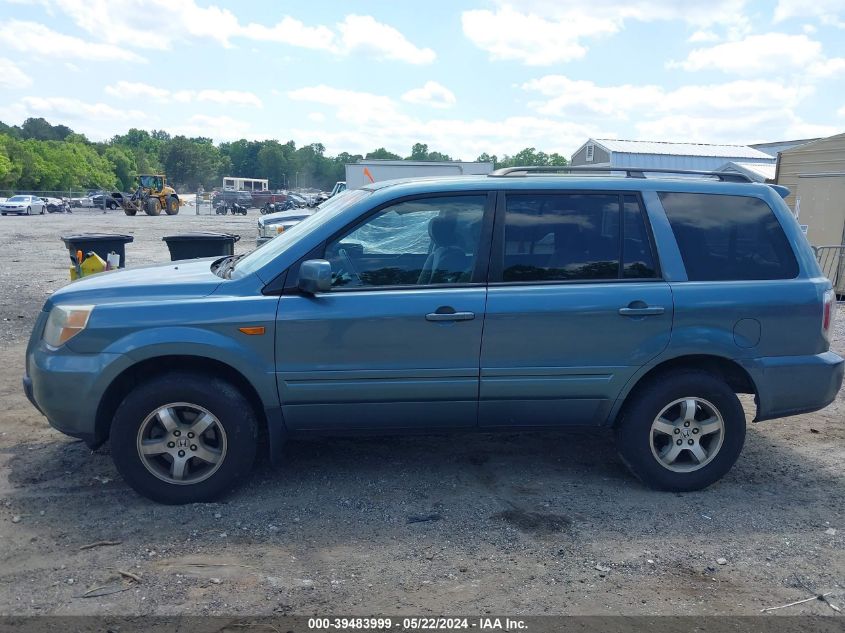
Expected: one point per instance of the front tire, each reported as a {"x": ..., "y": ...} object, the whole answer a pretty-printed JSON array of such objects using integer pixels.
[
  {"x": 184, "y": 438},
  {"x": 29, "y": 210},
  {"x": 681, "y": 431},
  {"x": 153, "y": 206}
]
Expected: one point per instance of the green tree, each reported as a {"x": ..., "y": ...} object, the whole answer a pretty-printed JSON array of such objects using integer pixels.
[
  {"x": 123, "y": 165},
  {"x": 383, "y": 154},
  {"x": 191, "y": 162}
]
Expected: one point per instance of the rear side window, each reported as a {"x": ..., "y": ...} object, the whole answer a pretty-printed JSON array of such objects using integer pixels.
[
  {"x": 575, "y": 237},
  {"x": 728, "y": 238}
]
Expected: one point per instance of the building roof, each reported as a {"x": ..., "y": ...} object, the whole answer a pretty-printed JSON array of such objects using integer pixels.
[
  {"x": 774, "y": 147},
  {"x": 680, "y": 149},
  {"x": 760, "y": 172}
]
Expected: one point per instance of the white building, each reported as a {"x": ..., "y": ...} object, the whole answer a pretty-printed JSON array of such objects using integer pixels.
[
  {"x": 663, "y": 155},
  {"x": 245, "y": 184}
]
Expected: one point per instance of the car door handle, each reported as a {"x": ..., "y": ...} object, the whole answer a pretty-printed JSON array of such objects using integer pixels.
[
  {"x": 644, "y": 311},
  {"x": 450, "y": 316}
]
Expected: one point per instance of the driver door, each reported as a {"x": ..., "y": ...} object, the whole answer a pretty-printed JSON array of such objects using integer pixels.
[{"x": 395, "y": 344}]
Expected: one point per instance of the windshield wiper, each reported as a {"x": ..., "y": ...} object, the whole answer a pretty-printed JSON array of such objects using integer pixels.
[{"x": 227, "y": 266}]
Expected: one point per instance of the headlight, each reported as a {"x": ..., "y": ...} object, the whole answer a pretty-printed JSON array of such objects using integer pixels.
[
  {"x": 272, "y": 230},
  {"x": 64, "y": 323}
]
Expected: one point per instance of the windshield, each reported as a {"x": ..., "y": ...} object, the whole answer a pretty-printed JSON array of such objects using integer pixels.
[
  {"x": 18, "y": 199},
  {"x": 154, "y": 182},
  {"x": 267, "y": 253}
]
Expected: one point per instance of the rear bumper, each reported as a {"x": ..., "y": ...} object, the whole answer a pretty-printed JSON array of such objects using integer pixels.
[{"x": 789, "y": 385}]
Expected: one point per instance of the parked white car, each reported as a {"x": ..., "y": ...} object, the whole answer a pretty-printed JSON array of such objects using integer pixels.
[{"x": 23, "y": 205}]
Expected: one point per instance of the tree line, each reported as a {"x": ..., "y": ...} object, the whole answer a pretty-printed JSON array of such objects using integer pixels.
[{"x": 39, "y": 156}]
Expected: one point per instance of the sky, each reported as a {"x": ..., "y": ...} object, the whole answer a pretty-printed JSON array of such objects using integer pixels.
[{"x": 463, "y": 76}]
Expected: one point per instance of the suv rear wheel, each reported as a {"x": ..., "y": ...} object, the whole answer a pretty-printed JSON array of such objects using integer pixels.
[
  {"x": 682, "y": 431},
  {"x": 183, "y": 438}
]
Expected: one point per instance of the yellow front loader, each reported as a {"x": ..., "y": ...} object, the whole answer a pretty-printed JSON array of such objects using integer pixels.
[{"x": 152, "y": 195}]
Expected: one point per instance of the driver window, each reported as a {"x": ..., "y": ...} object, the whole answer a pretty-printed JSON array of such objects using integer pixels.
[{"x": 428, "y": 241}]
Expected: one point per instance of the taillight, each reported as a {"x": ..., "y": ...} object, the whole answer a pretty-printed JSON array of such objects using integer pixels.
[{"x": 828, "y": 312}]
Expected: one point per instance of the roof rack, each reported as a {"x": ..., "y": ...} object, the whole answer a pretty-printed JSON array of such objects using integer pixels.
[{"x": 630, "y": 172}]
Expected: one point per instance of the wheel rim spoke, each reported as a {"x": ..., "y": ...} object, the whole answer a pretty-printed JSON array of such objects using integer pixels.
[
  {"x": 168, "y": 419},
  {"x": 208, "y": 454},
  {"x": 201, "y": 425},
  {"x": 710, "y": 425},
  {"x": 664, "y": 426},
  {"x": 178, "y": 467},
  {"x": 154, "y": 447},
  {"x": 688, "y": 410},
  {"x": 671, "y": 454},
  {"x": 698, "y": 452}
]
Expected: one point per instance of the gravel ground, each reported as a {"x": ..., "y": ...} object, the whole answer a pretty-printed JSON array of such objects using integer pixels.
[{"x": 517, "y": 523}]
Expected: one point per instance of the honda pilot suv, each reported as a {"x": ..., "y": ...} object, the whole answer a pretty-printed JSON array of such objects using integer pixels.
[{"x": 644, "y": 302}]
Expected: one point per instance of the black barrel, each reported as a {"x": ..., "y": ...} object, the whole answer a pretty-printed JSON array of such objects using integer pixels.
[
  {"x": 100, "y": 243},
  {"x": 200, "y": 244}
]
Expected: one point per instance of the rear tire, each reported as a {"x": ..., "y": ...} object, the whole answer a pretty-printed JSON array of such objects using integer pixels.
[
  {"x": 112, "y": 206},
  {"x": 681, "y": 431},
  {"x": 172, "y": 206},
  {"x": 181, "y": 401}
]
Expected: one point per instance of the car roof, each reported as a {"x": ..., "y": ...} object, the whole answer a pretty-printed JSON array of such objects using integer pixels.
[{"x": 409, "y": 186}]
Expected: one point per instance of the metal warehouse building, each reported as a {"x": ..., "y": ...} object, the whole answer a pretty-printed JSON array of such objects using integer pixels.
[{"x": 661, "y": 155}]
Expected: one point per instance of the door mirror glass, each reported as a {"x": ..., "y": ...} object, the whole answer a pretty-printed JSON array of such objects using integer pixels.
[{"x": 315, "y": 275}]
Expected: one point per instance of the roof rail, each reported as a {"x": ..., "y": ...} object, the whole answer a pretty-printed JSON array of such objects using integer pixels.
[{"x": 630, "y": 172}]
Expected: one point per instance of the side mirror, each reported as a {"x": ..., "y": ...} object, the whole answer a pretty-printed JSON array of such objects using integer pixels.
[{"x": 315, "y": 275}]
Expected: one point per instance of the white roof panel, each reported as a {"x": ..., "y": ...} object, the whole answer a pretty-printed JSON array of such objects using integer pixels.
[{"x": 681, "y": 149}]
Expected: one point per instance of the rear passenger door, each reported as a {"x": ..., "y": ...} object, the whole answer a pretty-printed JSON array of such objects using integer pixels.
[{"x": 576, "y": 305}]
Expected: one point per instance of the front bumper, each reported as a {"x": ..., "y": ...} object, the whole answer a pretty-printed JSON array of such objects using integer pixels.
[
  {"x": 789, "y": 385},
  {"x": 67, "y": 388}
]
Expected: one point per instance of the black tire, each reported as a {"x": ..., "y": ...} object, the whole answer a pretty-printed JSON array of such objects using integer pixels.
[
  {"x": 634, "y": 429},
  {"x": 129, "y": 211},
  {"x": 29, "y": 210},
  {"x": 218, "y": 397},
  {"x": 112, "y": 206},
  {"x": 153, "y": 206},
  {"x": 172, "y": 207}
]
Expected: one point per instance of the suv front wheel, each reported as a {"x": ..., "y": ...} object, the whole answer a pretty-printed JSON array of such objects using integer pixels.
[
  {"x": 682, "y": 431},
  {"x": 183, "y": 438}
]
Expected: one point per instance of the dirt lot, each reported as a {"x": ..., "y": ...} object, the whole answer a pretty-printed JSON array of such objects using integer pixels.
[{"x": 522, "y": 524}]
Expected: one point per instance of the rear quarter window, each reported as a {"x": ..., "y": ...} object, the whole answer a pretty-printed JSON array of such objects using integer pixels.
[{"x": 728, "y": 238}]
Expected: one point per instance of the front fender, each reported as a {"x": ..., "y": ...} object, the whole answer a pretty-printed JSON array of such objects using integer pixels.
[{"x": 251, "y": 356}]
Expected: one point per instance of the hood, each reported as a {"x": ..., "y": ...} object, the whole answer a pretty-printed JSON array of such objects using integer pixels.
[
  {"x": 190, "y": 278},
  {"x": 285, "y": 216},
  {"x": 15, "y": 203}
]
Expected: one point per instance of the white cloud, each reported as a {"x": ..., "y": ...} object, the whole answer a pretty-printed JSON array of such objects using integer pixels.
[
  {"x": 733, "y": 112},
  {"x": 11, "y": 76},
  {"x": 36, "y": 39},
  {"x": 317, "y": 117},
  {"x": 544, "y": 32},
  {"x": 219, "y": 128},
  {"x": 134, "y": 90},
  {"x": 158, "y": 24},
  {"x": 578, "y": 98},
  {"x": 704, "y": 35},
  {"x": 828, "y": 12},
  {"x": 362, "y": 33},
  {"x": 431, "y": 94},
  {"x": 96, "y": 120},
  {"x": 372, "y": 120},
  {"x": 841, "y": 111},
  {"x": 762, "y": 54}
]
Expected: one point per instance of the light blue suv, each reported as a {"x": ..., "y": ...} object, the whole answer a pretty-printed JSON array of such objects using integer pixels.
[{"x": 515, "y": 301}]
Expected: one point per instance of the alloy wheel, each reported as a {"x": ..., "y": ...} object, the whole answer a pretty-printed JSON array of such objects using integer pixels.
[{"x": 687, "y": 434}]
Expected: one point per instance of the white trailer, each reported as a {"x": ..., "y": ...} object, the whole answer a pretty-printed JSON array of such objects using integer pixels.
[{"x": 365, "y": 172}]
